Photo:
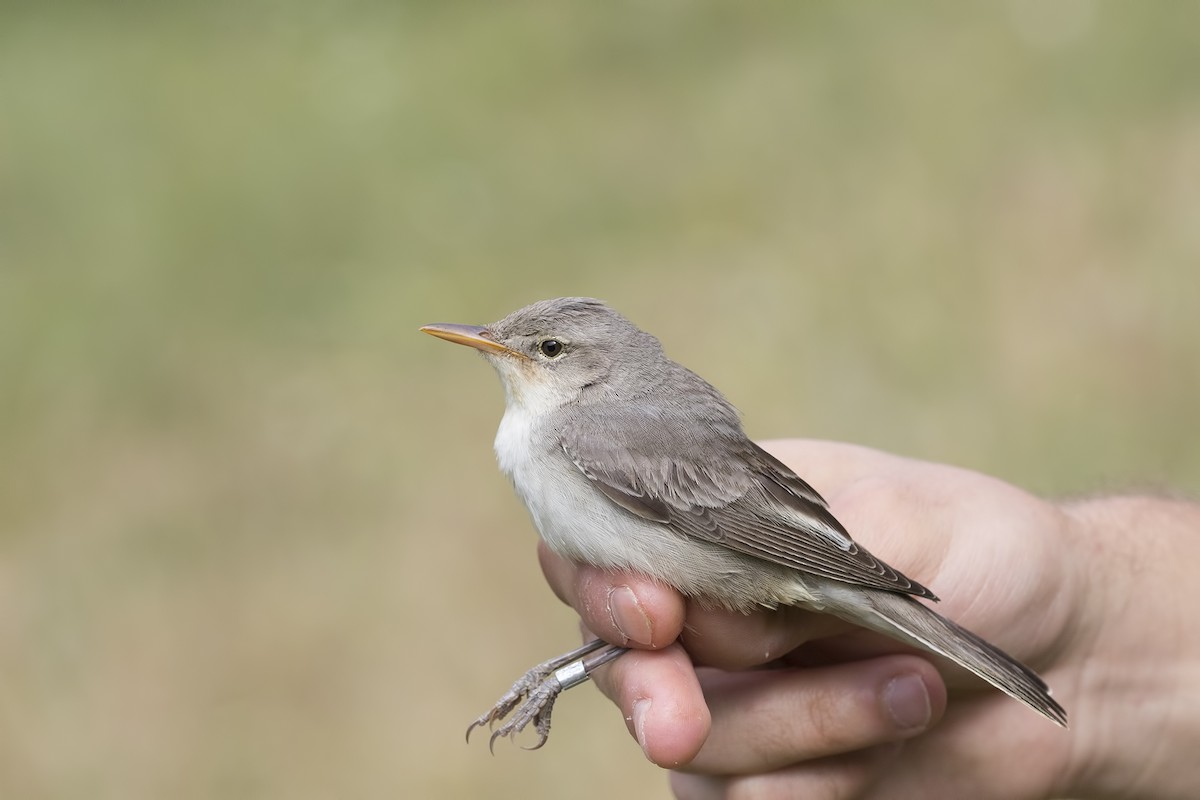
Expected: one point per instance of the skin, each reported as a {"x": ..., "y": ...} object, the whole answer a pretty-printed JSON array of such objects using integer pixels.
[{"x": 850, "y": 714}]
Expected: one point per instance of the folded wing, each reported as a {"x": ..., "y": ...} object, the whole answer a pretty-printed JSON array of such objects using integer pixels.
[{"x": 705, "y": 479}]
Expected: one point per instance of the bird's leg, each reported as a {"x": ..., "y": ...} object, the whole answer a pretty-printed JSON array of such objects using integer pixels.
[
  {"x": 528, "y": 683},
  {"x": 538, "y": 688}
]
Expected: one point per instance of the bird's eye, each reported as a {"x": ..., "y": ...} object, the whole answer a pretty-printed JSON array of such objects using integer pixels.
[{"x": 551, "y": 348}]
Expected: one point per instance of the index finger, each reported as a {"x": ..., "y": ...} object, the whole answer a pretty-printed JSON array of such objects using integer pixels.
[{"x": 620, "y": 607}]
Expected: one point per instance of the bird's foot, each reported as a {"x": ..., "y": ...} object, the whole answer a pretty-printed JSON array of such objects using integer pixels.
[{"x": 533, "y": 695}]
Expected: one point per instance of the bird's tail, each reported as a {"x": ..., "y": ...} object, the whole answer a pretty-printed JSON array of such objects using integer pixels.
[{"x": 908, "y": 620}]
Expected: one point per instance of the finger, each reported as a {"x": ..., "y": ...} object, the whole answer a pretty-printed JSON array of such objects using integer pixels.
[
  {"x": 661, "y": 699},
  {"x": 768, "y": 719},
  {"x": 828, "y": 779},
  {"x": 620, "y": 607},
  {"x": 559, "y": 573},
  {"x": 855, "y": 644},
  {"x": 730, "y": 640}
]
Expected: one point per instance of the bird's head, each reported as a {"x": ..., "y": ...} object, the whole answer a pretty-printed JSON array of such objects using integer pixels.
[{"x": 551, "y": 352}]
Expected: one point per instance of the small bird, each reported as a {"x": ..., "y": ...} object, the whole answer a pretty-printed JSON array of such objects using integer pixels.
[{"x": 627, "y": 460}]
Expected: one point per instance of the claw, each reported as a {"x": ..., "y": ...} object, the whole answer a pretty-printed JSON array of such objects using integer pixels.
[
  {"x": 541, "y": 741},
  {"x": 541, "y": 723},
  {"x": 534, "y": 694}
]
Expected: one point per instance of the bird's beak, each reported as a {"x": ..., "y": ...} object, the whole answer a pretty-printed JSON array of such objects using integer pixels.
[{"x": 470, "y": 335}]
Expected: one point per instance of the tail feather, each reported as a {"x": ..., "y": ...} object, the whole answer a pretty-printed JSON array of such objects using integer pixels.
[{"x": 907, "y": 619}]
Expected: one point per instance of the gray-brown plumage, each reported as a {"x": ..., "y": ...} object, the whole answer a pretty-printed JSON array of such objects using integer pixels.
[{"x": 628, "y": 460}]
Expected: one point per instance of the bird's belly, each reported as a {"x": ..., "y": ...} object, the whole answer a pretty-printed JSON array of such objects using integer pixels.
[{"x": 578, "y": 522}]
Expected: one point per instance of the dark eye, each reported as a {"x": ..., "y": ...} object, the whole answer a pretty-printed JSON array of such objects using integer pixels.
[{"x": 551, "y": 348}]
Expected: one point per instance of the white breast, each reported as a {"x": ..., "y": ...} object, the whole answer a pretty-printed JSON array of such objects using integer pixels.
[
  {"x": 514, "y": 440},
  {"x": 560, "y": 500}
]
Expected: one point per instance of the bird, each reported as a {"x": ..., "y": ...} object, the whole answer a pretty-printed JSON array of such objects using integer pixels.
[{"x": 627, "y": 460}]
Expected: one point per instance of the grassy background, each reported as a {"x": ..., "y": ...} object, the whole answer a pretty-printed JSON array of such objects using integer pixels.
[{"x": 252, "y": 540}]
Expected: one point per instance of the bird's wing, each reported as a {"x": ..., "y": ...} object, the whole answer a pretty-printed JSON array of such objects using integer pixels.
[{"x": 707, "y": 480}]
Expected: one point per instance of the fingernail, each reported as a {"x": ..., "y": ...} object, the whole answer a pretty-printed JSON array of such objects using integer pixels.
[
  {"x": 640, "y": 707},
  {"x": 907, "y": 701},
  {"x": 628, "y": 616}
]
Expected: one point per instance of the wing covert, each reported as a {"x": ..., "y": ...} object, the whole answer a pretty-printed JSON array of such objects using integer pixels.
[{"x": 705, "y": 479}]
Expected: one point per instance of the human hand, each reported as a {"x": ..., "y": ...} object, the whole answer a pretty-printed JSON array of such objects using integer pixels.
[{"x": 832, "y": 721}]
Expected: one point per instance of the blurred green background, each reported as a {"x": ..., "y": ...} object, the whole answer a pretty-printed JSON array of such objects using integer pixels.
[{"x": 253, "y": 543}]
